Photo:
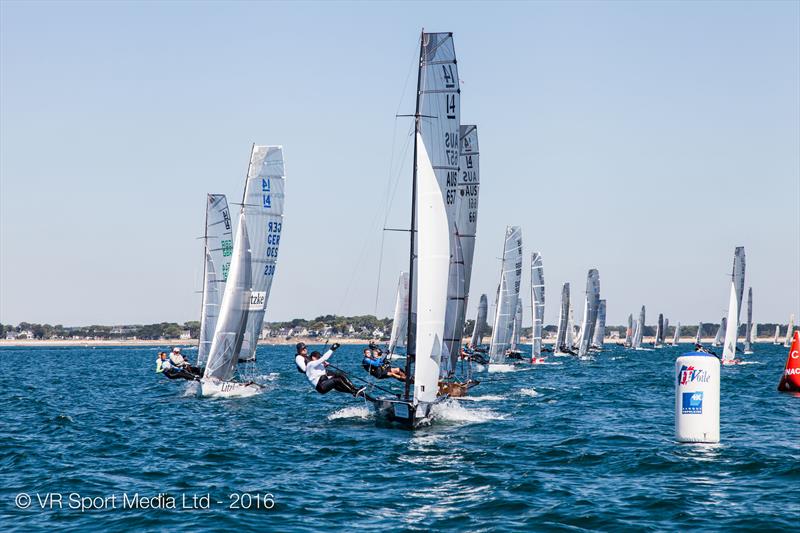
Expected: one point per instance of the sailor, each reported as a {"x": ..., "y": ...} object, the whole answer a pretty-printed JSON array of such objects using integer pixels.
[
  {"x": 702, "y": 349},
  {"x": 173, "y": 372},
  {"x": 162, "y": 358},
  {"x": 301, "y": 357},
  {"x": 325, "y": 381},
  {"x": 178, "y": 361},
  {"x": 377, "y": 365}
]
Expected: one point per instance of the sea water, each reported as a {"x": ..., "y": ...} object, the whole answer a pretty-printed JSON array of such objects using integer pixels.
[{"x": 97, "y": 441}]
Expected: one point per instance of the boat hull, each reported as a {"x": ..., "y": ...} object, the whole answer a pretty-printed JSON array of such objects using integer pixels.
[
  {"x": 227, "y": 389},
  {"x": 402, "y": 413}
]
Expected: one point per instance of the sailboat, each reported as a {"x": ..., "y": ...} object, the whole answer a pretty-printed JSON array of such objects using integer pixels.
[
  {"x": 434, "y": 189},
  {"x": 252, "y": 268},
  {"x": 777, "y": 334},
  {"x": 480, "y": 323},
  {"x": 537, "y": 306},
  {"x": 789, "y": 331},
  {"x": 463, "y": 226},
  {"x": 590, "y": 311},
  {"x": 561, "y": 347},
  {"x": 397, "y": 339},
  {"x": 510, "y": 280},
  {"x": 723, "y": 324},
  {"x": 734, "y": 307},
  {"x": 516, "y": 333},
  {"x": 676, "y": 338},
  {"x": 217, "y": 250},
  {"x": 699, "y": 335},
  {"x": 639, "y": 333},
  {"x": 658, "y": 341},
  {"x": 749, "y": 332},
  {"x": 600, "y": 327},
  {"x": 629, "y": 332}
]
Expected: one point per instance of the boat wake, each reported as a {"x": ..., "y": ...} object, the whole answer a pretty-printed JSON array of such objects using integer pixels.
[
  {"x": 361, "y": 412},
  {"x": 264, "y": 378},
  {"x": 452, "y": 411},
  {"x": 486, "y": 398},
  {"x": 529, "y": 392},
  {"x": 192, "y": 388},
  {"x": 494, "y": 369}
]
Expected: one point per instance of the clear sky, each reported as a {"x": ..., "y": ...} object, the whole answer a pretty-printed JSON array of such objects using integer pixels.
[{"x": 645, "y": 139}]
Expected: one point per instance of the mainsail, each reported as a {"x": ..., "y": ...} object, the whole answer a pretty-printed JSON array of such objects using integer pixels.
[
  {"x": 590, "y": 316},
  {"x": 637, "y": 337},
  {"x": 734, "y": 305},
  {"x": 563, "y": 314},
  {"x": 463, "y": 225},
  {"x": 537, "y": 303},
  {"x": 218, "y": 248},
  {"x": 510, "y": 279},
  {"x": 570, "y": 339},
  {"x": 229, "y": 333},
  {"x": 480, "y": 322},
  {"x": 748, "y": 332},
  {"x": 720, "y": 330},
  {"x": 777, "y": 334},
  {"x": 436, "y": 151},
  {"x": 789, "y": 331},
  {"x": 699, "y": 334},
  {"x": 629, "y": 332},
  {"x": 600, "y": 327},
  {"x": 517, "y": 330},
  {"x": 659, "y": 338},
  {"x": 263, "y": 205},
  {"x": 400, "y": 322},
  {"x": 676, "y": 339}
]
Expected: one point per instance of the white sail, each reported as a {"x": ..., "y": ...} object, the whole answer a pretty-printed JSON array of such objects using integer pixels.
[
  {"x": 592, "y": 306},
  {"x": 676, "y": 338},
  {"x": 754, "y": 333},
  {"x": 629, "y": 332},
  {"x": 600, "y": 326},
  {"x": 229, "y": 333},
  {"x": 517, "y": 330},
  {"x": 637, "y": 338},
  {"x": 463, "y": 225},
  {"x": 789, "y": 331},
  {"x": 400, "y": 322},
  {"x": 563, "y": 317},
  {"x": 437, "y": 159},
  {"x": 658, "y": 340},
  {"x": 570, "y": 339},
  {"x": 699, "y": 334},
  {"x": 537, "y": 303},
  {"x": 480, "y": 322},
  {"x": 666, "y": 329},
  {"x": 510, "y": 280},
  {"x": 777, "y": 334},
  {"x": 720, "y": 331},
  {"x": 734, "y": 305},
  {"x": 218, "y": 248},
  {"x": 263, "y": 205},
  {"x": 748, "y": 332}
]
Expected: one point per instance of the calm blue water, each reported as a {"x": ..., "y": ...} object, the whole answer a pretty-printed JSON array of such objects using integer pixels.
[{"x": 570, "y": 446}]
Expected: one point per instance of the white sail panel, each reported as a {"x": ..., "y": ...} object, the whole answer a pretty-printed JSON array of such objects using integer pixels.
[
  {"x": 734, "y": 305},
  {"x": 590, "y": 316},
  {"x": 510, "y": 280},
  {"x": 600, "y": 327},
  {"x": 263, "y": 205},
  {"x": 789, "y": 331},
  {"x": 699, "y": 334},
  {"x": 563, "y": 318},
  {"x": 537, "y": 303},
  {"x": 463, "y": 226},
  {"x": 218, "y": 247},
  {"x": 676, "y": 338},
  {"x": 400, "y": 322},
  {"x": 640, "y": 325},
  {"x": 229, "y": 333},
  {"x": 629, "y": 332},
  {"x": 517, "y": 330},
  {"x": 748, "y": 332}
]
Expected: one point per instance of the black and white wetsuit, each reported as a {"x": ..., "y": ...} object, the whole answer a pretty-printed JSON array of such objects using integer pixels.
[{"x": 325, "y": 381}]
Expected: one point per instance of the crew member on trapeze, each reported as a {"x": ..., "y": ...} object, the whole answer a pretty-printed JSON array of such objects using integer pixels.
[
  {"x": 324, "y": 380},
  {"x": 378, "y": 365}
]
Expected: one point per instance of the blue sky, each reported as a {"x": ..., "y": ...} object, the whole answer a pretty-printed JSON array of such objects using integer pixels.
[{"x": 643, "y": 139}]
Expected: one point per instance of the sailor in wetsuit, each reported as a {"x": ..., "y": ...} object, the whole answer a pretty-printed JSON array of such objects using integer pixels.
[
  {"x": 325, "y": 381},
  {"x": 378, "y": 366}
]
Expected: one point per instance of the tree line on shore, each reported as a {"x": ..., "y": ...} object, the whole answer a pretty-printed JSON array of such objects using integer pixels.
[{"x": 361, "y": 326}]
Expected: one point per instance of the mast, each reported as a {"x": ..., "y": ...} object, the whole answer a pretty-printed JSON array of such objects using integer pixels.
[{"x": 412, "y": 347}]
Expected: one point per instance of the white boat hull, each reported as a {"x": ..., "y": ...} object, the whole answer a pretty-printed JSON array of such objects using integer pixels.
[{"x": 227, "y": 389}]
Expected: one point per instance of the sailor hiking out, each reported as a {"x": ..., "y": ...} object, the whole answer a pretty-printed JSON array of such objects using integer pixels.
[
  {"x": 324, "y": 380},
  {"x": 378, "y": 366}
]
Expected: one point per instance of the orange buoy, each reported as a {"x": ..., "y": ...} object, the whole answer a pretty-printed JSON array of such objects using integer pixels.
[{"x": 790, "y": 381}]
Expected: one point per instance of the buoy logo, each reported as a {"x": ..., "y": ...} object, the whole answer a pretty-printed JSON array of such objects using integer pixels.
[
  {"x": 795, "y": 354},
  {"x": 793, "y": 371},
  {"x": 692, "y": 403},
  {"x": 689, "y": 374}
]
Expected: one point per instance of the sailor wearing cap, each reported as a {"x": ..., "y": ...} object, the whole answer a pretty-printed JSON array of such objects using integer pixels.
[{"x": 301, "y": 358}]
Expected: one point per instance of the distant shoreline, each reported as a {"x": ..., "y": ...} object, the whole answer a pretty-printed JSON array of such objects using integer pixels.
[{"x": 311, "y": 341}]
